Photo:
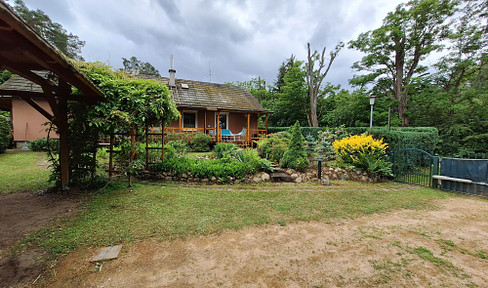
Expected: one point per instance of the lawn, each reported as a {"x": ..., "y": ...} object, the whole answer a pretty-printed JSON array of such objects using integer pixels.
[
  {"x": 171, "y": 211},
  {"x": 19, "y": 171}
]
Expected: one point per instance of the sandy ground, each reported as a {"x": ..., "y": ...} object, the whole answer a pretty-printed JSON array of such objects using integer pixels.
[
  {"x": 21, "y": 214},
  {"x": 444, "y": 247}
]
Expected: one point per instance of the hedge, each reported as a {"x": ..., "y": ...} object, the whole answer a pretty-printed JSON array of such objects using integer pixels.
[
  {"x": 424, "y": 138},
  {"x": 5, "y": 136}
]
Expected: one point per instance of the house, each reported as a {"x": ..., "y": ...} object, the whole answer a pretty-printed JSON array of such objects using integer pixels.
[
  {"x": 27, "y": 122},
  {"x": 227, "y": 113}
]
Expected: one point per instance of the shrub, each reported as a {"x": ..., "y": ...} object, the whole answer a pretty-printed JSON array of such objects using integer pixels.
[
  {"x": 274, "y": 146},
  {"x": 251, "y": 160},
  {"x": 296, "y": 156},
  {"x": 44, "y": 144},
  {"x": 323, "y": 144},
  {"x": 366, "y": 153},
  {"x": 222, "y": 169},
  {"x": 180, "y": 146},
  {"x": 224, "y": 150},
  {"x": 5, "y": 136},
  {"x": 200, "y": 142}
]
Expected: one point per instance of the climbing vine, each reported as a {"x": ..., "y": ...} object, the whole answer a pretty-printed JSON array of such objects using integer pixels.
[{"x": 130, "y": 104}]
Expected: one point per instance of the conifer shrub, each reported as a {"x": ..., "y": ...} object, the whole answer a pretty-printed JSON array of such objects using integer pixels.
[
  {"x": 274, "y": 146},
  {"x": 296, "y": 156}
]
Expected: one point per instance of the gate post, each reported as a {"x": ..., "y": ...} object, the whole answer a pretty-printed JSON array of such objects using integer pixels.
[{"x": 435, "y": 171}]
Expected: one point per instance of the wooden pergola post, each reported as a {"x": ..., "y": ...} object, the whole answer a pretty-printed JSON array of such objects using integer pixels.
[
  {"x": 162, "y": 140},
  {"x": 248, "y": 129},
  {"x": 218, "y": 127},
  {"x": 267, "y": 116},
  {"x": 62, "y": 125}
]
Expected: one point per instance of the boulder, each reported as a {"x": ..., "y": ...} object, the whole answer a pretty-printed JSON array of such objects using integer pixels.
[
  {"x": 294, "y": 176},
  {"x": 265, "y": 177}
]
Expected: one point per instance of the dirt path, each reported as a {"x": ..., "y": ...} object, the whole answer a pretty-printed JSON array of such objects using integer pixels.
[
  {"x": 21, "y": 214},
  {"x": 445, "y": 247}
]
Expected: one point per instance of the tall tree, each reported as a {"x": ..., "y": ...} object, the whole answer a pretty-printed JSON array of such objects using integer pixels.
[
  {"x": 290, "y": 104},
  {"x": 395, "y": 50},
  {"x": 284, "y": 67},
  {"x": 53, "y": 32},
  {"x": 315, "y": 76},
  {"x": 136, "y": 66}
]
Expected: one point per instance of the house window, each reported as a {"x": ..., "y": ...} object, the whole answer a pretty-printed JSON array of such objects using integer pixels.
[
  {"x": 190, "y": 119},
  {"x": 223, "y": 120}
]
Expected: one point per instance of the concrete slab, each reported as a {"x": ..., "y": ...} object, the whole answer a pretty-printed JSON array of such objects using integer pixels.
[{"x": 107, "y": 253}]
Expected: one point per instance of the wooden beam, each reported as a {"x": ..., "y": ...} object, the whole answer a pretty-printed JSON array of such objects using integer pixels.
[
  {"x": 39, "y": 109},
  {"x": 248, "y": 128},
  {"x": 267, "y": 116},
  {"x": 62, "y": 125}
]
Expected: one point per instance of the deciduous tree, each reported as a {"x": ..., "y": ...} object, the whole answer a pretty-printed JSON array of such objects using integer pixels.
[{"x": 396, "y": 49}]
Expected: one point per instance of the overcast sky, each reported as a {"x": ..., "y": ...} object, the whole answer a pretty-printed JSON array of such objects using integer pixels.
[{"x": 235, "y": 40}]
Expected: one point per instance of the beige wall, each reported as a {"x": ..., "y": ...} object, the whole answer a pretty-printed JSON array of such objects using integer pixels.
[{"x": 27, "y": 122}]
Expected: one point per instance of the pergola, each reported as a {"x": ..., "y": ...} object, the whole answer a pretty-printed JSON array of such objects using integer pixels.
[{"x": 23, "y": 51}]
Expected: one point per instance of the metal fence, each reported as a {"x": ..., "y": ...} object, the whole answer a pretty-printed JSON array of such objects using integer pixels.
[{"x": 468, "y": 176}]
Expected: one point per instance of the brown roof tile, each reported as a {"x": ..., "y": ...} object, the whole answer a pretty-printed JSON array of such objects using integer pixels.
[{"x": 205, "y": 94}]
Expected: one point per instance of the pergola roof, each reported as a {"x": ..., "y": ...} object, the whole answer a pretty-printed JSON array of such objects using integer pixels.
[{"x": 23, "y": 51}]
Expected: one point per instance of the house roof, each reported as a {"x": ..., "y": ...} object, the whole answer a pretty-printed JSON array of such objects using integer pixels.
[
  {"x": 23, "y": 51},
  {"x": 18, "y": 83},
  {"x": 196, "y": 94}
]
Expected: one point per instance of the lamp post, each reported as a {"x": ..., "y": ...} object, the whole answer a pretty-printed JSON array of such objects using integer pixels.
[{"x": 371, "y": 102}]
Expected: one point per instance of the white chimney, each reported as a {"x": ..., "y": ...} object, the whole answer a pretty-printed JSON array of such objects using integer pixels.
[{"x": 172, "y": 72}]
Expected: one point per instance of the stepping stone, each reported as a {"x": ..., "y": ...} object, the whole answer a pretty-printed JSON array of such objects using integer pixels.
[{"x": 107, "y": 253}]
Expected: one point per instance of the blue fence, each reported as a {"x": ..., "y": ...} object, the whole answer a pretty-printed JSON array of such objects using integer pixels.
[{"x": 465, "y": 175}]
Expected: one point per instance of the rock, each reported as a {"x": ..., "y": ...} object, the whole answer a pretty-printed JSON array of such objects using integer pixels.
[
  {"x": 294, "y": 176},
  {"x": 256, "y": 179},
  {"x": 168, "y": 178},
  {"x": 343, "y": 177},
  {"x": 299, "y": 180},
  {"x": 184, "y": 176},
  {"x": 265, "y": 177},
  {"x": 213, "y": 179},
  {"x": 237, "y": 181},
  {"x": 290, "y": 171},
  {"x": 205, "y": 180},
  {"x": 231, "y": 179},
  {"x": 364, "y": 179},
  {"x": 325, "y": 181}
]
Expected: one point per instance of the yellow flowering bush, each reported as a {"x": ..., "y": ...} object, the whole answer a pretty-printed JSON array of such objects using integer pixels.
[{"x": 365, "y": 152}]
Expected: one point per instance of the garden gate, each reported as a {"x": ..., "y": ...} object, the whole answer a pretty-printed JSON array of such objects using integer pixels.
[{"x": 414, "y": 166}]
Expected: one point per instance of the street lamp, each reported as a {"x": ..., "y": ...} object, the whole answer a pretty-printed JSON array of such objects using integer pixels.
[{"x": 371, "y": 102}]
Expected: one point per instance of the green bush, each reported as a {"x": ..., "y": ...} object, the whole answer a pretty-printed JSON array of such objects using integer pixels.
[
  {"x": 296, "y": 156},
  {"x": 274, "y": 146},
  {"x": 251, "y": 160},
  {"x": 180, "y": 146},
  {"x": 5, "y": 137},
  {"x": 323, "y": 144},
  {"x": 224, "y": 150},
  {"x": 200, "y": 142},
  {"x": 222, "y": 169},
  {"x": 44, "y": 144}
]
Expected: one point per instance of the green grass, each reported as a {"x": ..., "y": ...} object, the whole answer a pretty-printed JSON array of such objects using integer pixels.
[
  {"x": 19, "y": 171},
  {"x": 175, "y": 211}
]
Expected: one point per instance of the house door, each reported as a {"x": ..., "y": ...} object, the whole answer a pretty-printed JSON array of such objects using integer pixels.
[{"x": 223, "y": 121}]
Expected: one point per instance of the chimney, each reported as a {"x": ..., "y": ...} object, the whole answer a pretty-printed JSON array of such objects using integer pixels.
[
  {"x": 172, "y": 82},
  {"x": 172, "y": 72}
]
